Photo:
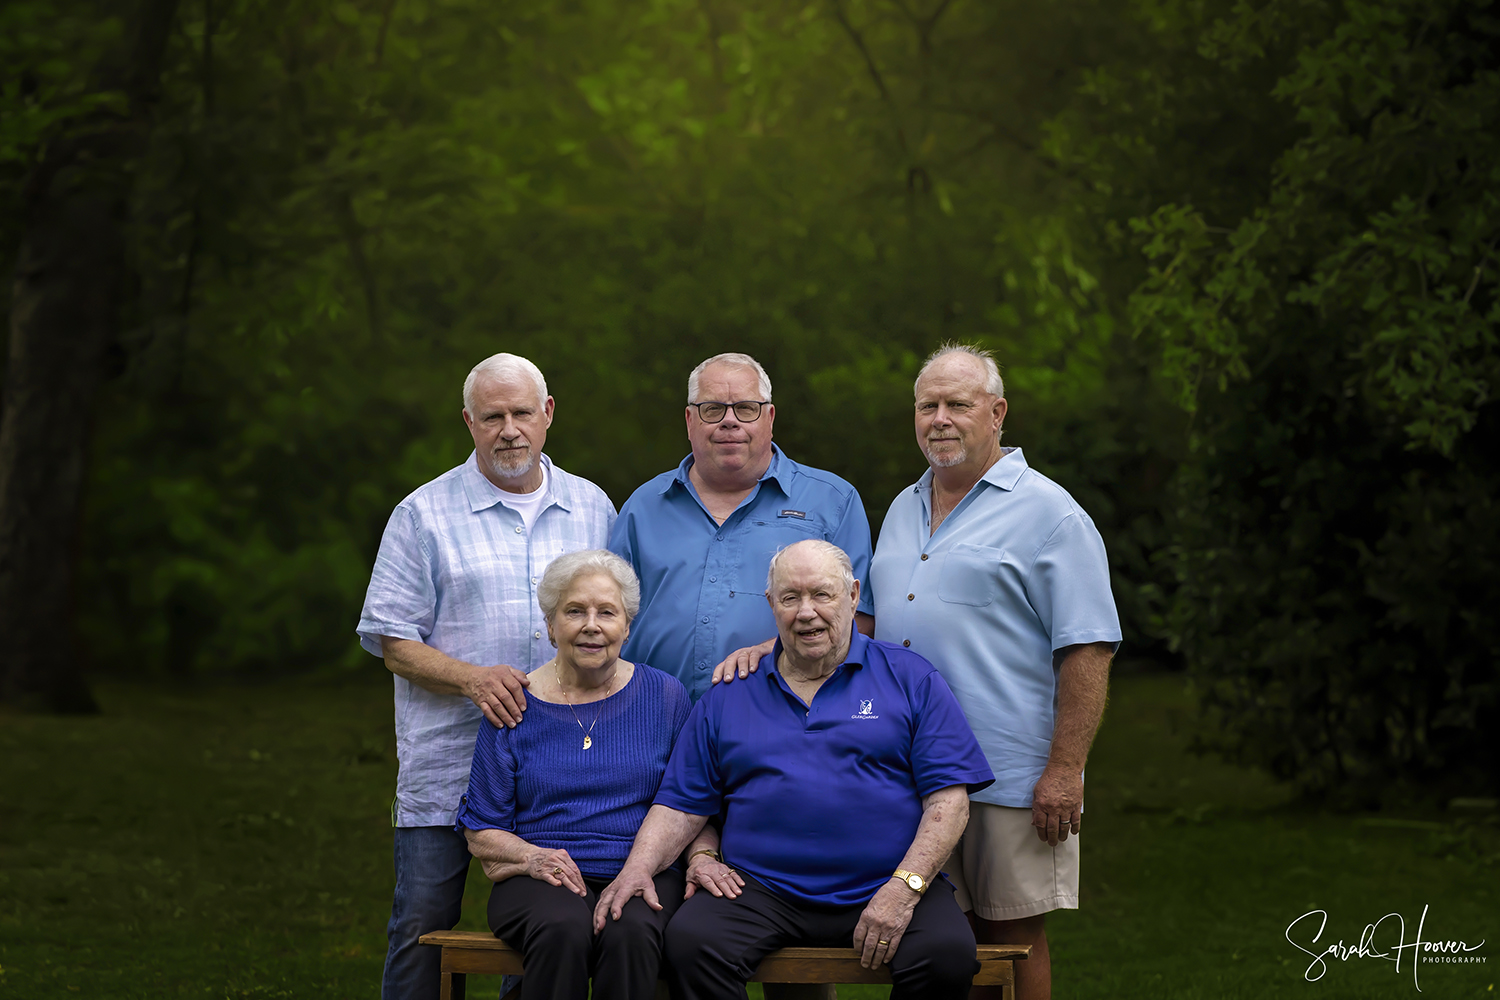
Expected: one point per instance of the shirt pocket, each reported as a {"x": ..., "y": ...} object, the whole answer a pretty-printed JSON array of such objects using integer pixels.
[
  {"x": 970, "y": 575},
  {"x": 762, "y": 539}
]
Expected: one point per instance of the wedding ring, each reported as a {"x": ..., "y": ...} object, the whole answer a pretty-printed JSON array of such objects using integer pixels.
[{"x": 882, "y": 942}]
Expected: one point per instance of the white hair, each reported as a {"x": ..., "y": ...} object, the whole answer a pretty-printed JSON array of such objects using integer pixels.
[
  {"x": 501, "y": 367},
  {"x": 818, "y": 545},
  {"x": 563, "y": 570},
  {"x": 734, "y": 361},
  {"x": 993, "y": 384}
]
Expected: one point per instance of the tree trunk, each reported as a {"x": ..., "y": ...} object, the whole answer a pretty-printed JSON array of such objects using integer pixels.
[{"x": 63, "y": 313}]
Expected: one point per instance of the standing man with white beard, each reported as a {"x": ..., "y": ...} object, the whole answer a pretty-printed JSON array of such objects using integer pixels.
[
  {"x": 452, "y": 608},
  {"x": 993, "y": 573}
]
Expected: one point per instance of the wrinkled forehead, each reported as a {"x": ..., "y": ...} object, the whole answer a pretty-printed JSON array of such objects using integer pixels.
[
  {"x": 506, "y": 392},
  {"x": 593, "y": 585},
  {"x": 728, "y": 383},
  {"x": 954, "y": 374},
  {"x": 808, "y": 571}
]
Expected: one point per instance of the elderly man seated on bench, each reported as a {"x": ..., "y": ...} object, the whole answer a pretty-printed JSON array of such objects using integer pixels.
[{"x": 841, "y": 771}]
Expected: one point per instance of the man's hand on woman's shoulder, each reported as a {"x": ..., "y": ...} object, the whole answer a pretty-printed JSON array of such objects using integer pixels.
[
  {"x": 742, "y": 662},
  {"x": 500, "y": 693}
]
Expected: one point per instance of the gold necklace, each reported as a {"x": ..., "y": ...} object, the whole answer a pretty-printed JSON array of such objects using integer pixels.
[{"x": 588, "y": 734}]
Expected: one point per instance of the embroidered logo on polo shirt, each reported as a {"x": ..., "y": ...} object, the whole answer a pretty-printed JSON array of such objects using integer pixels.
[
  {"x": 793, "y": 513},
  {"x": 866, "y": 710}
]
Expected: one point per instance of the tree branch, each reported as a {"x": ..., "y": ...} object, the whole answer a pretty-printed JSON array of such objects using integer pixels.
[
  {"x": 385, "y": 25},
  {"x": 885, "y": 94}
]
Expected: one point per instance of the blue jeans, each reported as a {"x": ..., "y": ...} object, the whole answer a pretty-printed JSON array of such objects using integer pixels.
[{"x": 432, "y": 864}]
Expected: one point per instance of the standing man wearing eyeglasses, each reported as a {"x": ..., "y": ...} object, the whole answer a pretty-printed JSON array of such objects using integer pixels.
[{"x": 702, "y": 535}]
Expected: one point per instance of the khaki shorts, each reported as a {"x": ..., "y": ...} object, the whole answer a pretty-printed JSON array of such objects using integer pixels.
[{"x": 1003, "y": 871}]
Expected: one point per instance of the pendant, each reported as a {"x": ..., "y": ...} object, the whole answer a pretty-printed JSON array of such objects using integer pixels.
[{"x": 588, "y": 741}]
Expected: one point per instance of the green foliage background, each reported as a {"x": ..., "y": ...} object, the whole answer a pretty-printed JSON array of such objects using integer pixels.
[{"x": 1237, "y": 259}]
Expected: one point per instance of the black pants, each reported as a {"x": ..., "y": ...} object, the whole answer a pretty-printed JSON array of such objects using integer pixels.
[
  {"x": 554, "y": 931},
  {"x": 714, "y": 945}
]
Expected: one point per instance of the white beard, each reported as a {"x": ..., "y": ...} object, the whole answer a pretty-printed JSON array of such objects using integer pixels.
[
  {"x": 510, "y": 470},
  {"x": 949, "y": 460}
]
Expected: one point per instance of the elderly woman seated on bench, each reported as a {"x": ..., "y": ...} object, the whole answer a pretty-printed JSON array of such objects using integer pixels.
[{"x": 554, "y": 804}]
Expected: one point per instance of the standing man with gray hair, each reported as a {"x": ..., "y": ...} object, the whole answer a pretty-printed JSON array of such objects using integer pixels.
[
  {"x": 452, "y": 608},
  {"x": 702, "y": 535},
  {"x": 991, "y": 571}
]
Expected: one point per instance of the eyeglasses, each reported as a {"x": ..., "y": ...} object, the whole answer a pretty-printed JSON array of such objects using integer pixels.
[{"x": 746, "y": 411}]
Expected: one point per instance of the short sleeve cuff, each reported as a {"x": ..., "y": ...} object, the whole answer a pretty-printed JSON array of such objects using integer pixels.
[
  {"x": 977, "y": 780},
  {"x": 1079, "y": 638},
  {"x": 672, "y": 800},
  {"x": 467, "y": 819},
  {"x": 370, "y": 630}
]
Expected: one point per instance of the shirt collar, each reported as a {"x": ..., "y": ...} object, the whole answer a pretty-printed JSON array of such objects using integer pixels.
[
  {"x": 1004, "y": 473},
  {"x": 483, "y": 494},
  {"x": 778, "y": 472}
]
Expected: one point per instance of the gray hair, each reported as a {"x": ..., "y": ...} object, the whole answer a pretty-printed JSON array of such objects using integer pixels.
[
  {"x": 504, "y": 366},
  {"x": 564, "y": 570},
  {"x": 735, "y": 361},
  {"x": 818, "y": 545},
  {"x": 993, "y": 384}
]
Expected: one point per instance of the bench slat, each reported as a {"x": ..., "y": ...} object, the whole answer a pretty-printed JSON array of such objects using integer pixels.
[{"x": 484, "y": 954}]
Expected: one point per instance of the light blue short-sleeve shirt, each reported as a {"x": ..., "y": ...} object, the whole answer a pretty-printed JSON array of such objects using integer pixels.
[
  {"x": 703, "y": 584},
  {"x": 458, "y": 571},
  {"x": 1015, "y": 573}
]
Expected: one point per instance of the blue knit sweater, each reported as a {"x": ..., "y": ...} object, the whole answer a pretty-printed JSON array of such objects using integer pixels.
[{"x": 538, "y": 782}]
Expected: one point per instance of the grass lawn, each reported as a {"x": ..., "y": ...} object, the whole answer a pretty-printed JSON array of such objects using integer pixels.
[{"x": 234, "y": 842}]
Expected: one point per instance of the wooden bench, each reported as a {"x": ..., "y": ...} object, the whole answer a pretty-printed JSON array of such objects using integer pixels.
[{"x": 484, "y": 954}]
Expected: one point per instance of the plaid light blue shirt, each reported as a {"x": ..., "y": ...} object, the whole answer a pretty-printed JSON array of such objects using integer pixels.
[{"x": 458, "y": 570}]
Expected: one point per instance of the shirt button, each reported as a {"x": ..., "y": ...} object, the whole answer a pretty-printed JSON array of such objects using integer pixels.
[
  {"x": 906, "y": 642},
  {"x": 533, "y": 579},
  {"x": 911, "y": 597},
  {"x": 924, "y": 557},
  {"x": 538, "y": 635},
  {"x": 518, "y": 529},
  {"x": 713, "y": 579},
  {"x": 705, "y": 619}
]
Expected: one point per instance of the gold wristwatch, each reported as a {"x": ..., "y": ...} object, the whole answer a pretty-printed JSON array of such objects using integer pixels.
[{"x": 917, "y": 883}]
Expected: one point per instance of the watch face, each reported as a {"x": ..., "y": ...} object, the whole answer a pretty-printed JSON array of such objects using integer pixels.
[{"x": 915, "y": 881}]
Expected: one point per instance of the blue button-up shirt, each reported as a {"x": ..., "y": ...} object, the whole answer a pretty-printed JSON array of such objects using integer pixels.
[
  {"x": 458, "y": 570},
  {"x": 1016, "y": 572},
  {"x": 703, "y": 584},
  {"x": 821, "y": 801}
]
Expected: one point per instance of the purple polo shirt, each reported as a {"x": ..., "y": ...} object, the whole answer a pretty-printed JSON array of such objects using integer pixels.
[{"x": 822, "y": 801}]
